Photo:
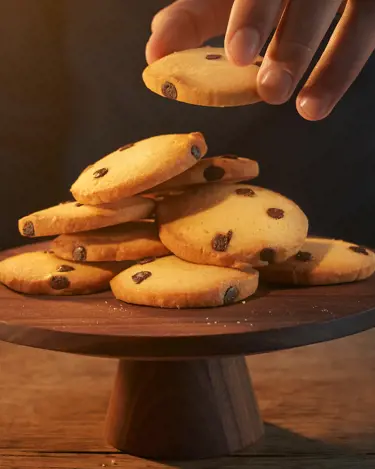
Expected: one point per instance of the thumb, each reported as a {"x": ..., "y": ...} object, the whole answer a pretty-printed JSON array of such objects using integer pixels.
[{"x": 186, "y": 24}]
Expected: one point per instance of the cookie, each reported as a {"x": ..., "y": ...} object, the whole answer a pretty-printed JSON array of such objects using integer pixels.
[
  {"x": 42, "y": 273},
  {"x": 170, "y": 282},
  {"x": 72, "y": 217},
  {"x": 138, "y": 167},
  {"x": 129, "y": 241},
  {"x": 231, "y": 225},
  {"x": 323, "y": 262},
  {"x": 227, "y": 168},
  {"x": 204, "y": 77}
]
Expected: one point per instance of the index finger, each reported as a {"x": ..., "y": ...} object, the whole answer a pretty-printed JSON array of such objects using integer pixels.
[{"x": 186, "y": 24}]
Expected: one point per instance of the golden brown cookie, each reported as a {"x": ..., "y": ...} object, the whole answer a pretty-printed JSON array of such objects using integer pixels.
[
  {"x": 226, "y": 168},
  {"x": 137, "y": 167},
  {"x": 170, "y": 282},
  {"x": 323, "y": 262},
  {"x": 42, "y": 273},
  {"x": 129, "y": 241},
  {"x": 203, "y": 76},
  {"x": 71, "y": 217},
  {"x": 231, "y": 225}
]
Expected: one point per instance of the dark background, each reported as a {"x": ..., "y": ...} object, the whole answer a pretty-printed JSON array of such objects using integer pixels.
[{"x": 71, "y": 91}]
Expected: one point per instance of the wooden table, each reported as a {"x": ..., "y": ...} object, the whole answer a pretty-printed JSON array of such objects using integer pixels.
[{"x": 318, "y": 403}]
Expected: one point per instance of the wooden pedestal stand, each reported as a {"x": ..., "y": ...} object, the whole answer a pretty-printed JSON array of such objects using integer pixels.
[
  {"x": 183, "y": 409},
  {"x": 182, "y": 389}
]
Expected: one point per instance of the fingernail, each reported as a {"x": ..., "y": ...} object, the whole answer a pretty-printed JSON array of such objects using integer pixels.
[
  {"x": 244, "y": 46},
  {"x": 276, "y": 85},
  {"x": 314, "y": 108}
]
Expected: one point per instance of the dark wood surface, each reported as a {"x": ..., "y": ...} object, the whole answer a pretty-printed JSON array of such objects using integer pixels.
[
  {"x": 99, "y": 325},
  {"x": 317, "y": 402}
]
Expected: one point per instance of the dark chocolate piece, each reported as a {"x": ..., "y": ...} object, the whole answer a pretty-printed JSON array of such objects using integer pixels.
[
  {"x": 276, "y": 213},
  {"x": 100, "y": 173},
  {"x": 59, "y": 282},
  {"x": 169, "y": 90},
  {"x": 28, "y": 229},
  {"x": 245, "y": 191},
  {"x": 79, "y": 254},
  {"x": 231, "y": 295},
  {"x": 359, "y": 250},
  {"x": 139, "y": 277},
  {"x": 221, "y": 241},
  {"x": 65, "y": 268},
  {"x": 196, "y": 152},
  {"x": 146, "y": 260},
  {"x": 213, "y": 173},
  {"x": 213, "y": 56}
]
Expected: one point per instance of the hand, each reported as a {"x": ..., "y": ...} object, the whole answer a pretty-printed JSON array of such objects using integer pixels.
[{"x": 301, "y": 26}]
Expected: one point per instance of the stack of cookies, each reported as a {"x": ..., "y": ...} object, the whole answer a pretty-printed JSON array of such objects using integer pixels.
[{"x": 162, "y": 226}]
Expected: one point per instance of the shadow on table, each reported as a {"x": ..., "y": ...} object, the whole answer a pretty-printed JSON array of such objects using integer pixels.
[{"x": 282, "y": 448}]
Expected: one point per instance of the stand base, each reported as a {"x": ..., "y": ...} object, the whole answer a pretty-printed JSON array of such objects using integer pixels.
[{"x": 175, "y": 410}]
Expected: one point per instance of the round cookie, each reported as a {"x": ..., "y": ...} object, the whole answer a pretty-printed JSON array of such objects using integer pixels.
[
  {"x": 170, "y": 282},
  {"x": 129, "y": 241},
  {"x": 227, "y": 168},
  {"x": 137, "y": 167},
  {"x": 203, "y": 76},
  {"x": 42, "y": 273},
  {"x": 72, "y": 217},
  {"x": 231, "y": 225},
  {"x": 323, "y": 262}
]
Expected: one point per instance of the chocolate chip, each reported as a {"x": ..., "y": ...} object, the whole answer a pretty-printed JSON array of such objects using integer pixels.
[
  {"x": 100, "y": 173},
  {"x": 169, "y": 90},
  {"x": 213, "y": 56},
  {"x": 230, "y": 157},
  {"x": 267, "y": 255},
  {"x": 79, "y": 254},
  {"x": 65, "y": 268},
  {"x": 146, "y": 260},
  {"x": 221, "y": 241},
  {"x": 59, "y": 282},
  {"x": 359, "y": 250},
  {"x": 304, "y": 256},
  {"x": 230, "y": 295},
  {"x": 139, "y": 277},
  {"x": 276, "y": 213},
  {"x": 245, "y": 191},
  {"x": 49, "y": 252},
  {"x": 213, "y": 173},
  {"x": 28, "y": 229},
  {"x": 125, "y": 147},
  {"x": 78, "y": 204},
  {"x": 196, "y": 152}
]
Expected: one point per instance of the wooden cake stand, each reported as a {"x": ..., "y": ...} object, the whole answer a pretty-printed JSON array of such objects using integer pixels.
[{"x": 182, "y": 389}]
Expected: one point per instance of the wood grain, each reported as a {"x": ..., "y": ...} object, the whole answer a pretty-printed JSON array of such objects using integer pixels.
[
  {"x": 317, "y": 402},
  {"x": 101, "y": 326},
  {"x": 114, "y": 461},
  {"x": 183, "y": 410}
]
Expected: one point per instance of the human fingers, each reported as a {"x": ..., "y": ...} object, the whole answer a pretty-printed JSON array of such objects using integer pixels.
[
  {"x": 250, "y": 24},
  {"x": 186, "y": 24},
  {"x": 298, "y": 35},
  {"x": 348, "y": 50}
]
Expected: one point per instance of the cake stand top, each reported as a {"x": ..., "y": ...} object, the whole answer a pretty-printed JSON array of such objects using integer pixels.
[{"x": 99, "y": 325}]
